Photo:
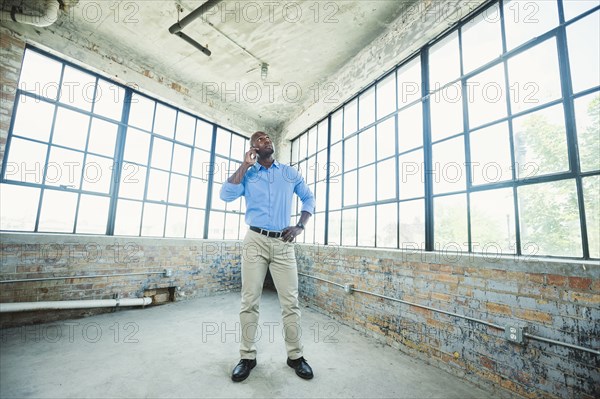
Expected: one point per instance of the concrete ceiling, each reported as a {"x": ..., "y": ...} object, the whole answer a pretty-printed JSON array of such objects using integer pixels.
[{"x": 303, "y": 42}]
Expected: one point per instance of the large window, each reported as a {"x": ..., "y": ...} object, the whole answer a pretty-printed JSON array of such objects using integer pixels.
[
  {"x": 487, "y": 140},
  {"x": 86, "y": 155}
]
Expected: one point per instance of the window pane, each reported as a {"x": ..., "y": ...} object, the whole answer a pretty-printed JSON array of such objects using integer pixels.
[
  {"x": 58, "y": 212},
  {"x": 40, "y": 74},
  {"x": 366, "y": 177},
  {"x": 591, "y": 199},
  {"x": 549, "y": 219},
  {"x": 573, "y": 8},
  {"x": 366, "y": 143},
  {"x": 238, "y": 147},
  {"x": 349, "y": 227},
  {"x": 204, "y": 134},
  {"x": 37, "y": 128},
  {"x": 127, "y": 220},
  {"x": 493, "y": 222},
  {"x": 141, "y": 112},
  {"x": 295, "y": 148},
  {"x": 490, "y": 154},
  {"x": 335, "y": 160},
  {"x": 133, "y": 181},
  {"x": 178, "y": 189},
  {"x": 387, "y": 216},
  {"x": 223, "y": 142},
  {"x": 335, "y": 193},
  {"x": 164, "y": 121},
  {"x": 319, "y": 228},
  {"x": 412, "y": 224},
  {"x": 444, "y": 62},
  {"x": 181, "y": 159},
  {"x": 350, "y": 148},
  {"x": 350, "y": 120},
  {"x": 350, "y": 188},
  {"x": 137, "y": 146},
  {"x": 195, "y": 224},
  {"x": 412, "y": 175},
  {"x": 201, "y": 164},
  {"x": 25, "y": 161},
  {"x": 534, "y": 77},
  {"x": 158, "y": 184},
  {"x": 322, "y": 135},
  {"x": 409, "y": 82},
  {"x": 312, "y": 141},
  {"x": 217, "y": 202},
  {"x": 481, "y": 39},
  {"x": 526, "y": 19},
  {"x": 216, "y": 225},
  {"x": 449, "y": 166},
  {"x": 232, "y": 224},
  {"x": 198, "y": 190},
  {"x": 77, "y": 88},
  {"x": 386, "y": 179},
  {"x": 386, "y": 138},
  {"x": 366, "y": 226},
  {"x": 175, "y": 221},
  {"x": 486, "y": 98},
  {"x": 584, "y": 52},
  {"x": 450, "y": 219},
  {"x": 386, "y": 96},
  {"x": 366, "y": 104},
  {"x": 541, "y": 143},
  {"x": 320, "y": 196},
  {"x": 154, "y": 220},
  {"x": 303, "y": 147},
  {"x": 64, "y": 168},
  {"x": 103, "y": 136},
  {"x": 162, "y": 151},
  {"x": 446, "y": 112},
  {"x": 93, "y": 214},
  {"x": 18, "y": 207},
  {"x": 70, "y": 129},
  {"x": 186, "y": 126},
  {"x": 97, "y": 174},
  {"x": 109, "y": 100},
  {"x": 333, "y": 232},
  {"x": 587, "y": 114},
  {"x": 336, "y": 126},
  {"x": 410, "y": 128},
  {"x": 321, "y": 166}
]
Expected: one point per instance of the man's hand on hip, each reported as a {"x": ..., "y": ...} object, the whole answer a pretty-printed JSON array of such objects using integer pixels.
[{"x": 290, "y": 233}]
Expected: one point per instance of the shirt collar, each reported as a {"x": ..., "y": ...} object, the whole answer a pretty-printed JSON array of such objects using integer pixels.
[{"x": 258, "y": 166}]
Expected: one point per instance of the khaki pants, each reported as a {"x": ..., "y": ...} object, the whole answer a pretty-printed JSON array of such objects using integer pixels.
[{"x": 259, "y": 254}]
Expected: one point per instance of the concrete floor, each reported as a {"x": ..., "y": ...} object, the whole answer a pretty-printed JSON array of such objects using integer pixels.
[{"x": 188, "y": 349}]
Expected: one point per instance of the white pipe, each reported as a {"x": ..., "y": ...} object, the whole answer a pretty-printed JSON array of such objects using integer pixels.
[
  {"x": 47, "y": 14},
  {"x": 82, "y": 304}
]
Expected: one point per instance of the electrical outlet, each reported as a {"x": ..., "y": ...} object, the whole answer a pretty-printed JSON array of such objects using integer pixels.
[{"x": 514, "y": 333}]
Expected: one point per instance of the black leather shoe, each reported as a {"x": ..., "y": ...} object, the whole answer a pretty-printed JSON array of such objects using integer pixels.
[
  {"x": 242, "y": 370},
  {"x": 302, "y": 368}
]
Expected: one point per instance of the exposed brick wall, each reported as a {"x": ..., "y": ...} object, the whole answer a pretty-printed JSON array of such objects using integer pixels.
[
  {"x": 200, "y": 268},
  {"x": 557, "y": 300},
  {"x": 11, "y": 55}
]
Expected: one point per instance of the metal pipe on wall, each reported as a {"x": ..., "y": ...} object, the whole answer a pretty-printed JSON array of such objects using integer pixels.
[
  {"x": 166, "y": 273},
  {"x": 46, "y": 14},
  {"x": 496, "y": 326},
  {"x": 80, "y": 304}
]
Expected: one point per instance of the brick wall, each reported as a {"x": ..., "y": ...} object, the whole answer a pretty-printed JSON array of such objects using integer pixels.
[
  {"x": 11, "y": 55},
  {"x": 199, "y": 268},
  {"x": 557, "y": 300}
]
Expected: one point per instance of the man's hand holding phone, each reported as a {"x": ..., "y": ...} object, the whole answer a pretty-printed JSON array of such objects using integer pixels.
[{"x": 251, "y": 156}]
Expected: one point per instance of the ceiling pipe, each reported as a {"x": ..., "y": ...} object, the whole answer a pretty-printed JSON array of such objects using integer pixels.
[
  {"x": 47, "y": 14},
  {"x": 81, "y": 304},
  {"x": 176, "y": 28}
]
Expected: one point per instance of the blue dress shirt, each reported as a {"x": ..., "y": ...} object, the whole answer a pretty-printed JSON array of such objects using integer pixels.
[{"x": 269, "y": 194}]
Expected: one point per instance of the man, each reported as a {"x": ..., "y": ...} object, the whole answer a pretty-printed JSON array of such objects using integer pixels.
[{"x": 269, "y": 187}]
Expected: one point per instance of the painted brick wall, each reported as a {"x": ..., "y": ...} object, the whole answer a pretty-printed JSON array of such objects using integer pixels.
[
  {"x": 557, "y": 300},
  {"x": 200, "y": 268},
  {"x": 11, "y": 55}
]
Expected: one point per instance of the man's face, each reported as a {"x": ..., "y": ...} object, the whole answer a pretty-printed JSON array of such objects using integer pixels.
[{"x": 263, "y": 144}]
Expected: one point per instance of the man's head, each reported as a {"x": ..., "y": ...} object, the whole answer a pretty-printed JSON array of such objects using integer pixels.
[{"x": 263, "y": 144}]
